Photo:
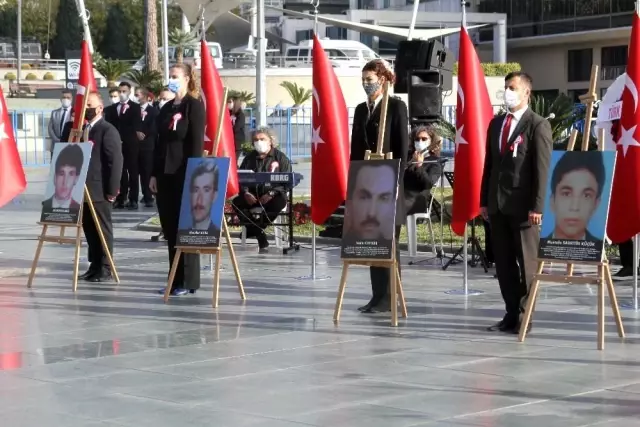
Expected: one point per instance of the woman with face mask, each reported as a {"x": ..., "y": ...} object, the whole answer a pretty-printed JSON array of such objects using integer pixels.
[
  {"x": 364, "y": 136},
  {"x": 181, "y": 124},
  {"x": 423, "y": 169}
]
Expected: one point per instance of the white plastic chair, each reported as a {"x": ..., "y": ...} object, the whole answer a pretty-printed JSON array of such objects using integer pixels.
[{"x": 412, "y": 227}]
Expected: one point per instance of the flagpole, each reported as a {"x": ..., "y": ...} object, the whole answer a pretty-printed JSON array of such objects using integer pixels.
[
  {"x": 313, "y": 276},
  {"x": 635, "y": 271},
  {"x": 414, "y": 16},
  {"x": 165, "y": 40}
]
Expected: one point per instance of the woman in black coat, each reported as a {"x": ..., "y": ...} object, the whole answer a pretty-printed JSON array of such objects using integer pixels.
[
  {"x": 423, "y": 170},
  {"x": 364, "y": 136},
  {"x": 238, "y": 119},
  {"x": 181, "y": 123}
]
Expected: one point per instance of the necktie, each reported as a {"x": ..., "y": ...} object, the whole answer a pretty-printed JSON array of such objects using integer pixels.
[
  {"x": 121, "y": 108},
  {"x": 505, "y": 133},
  {"x": 63, "y": 120}
]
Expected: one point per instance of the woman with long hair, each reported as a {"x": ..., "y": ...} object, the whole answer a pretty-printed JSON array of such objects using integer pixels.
[
  {"x": 238, "y": 119},
  {"x": 364, "y": 136},
  {"x": 423, "y": 170},
  {"x": 181, "y": 125}
]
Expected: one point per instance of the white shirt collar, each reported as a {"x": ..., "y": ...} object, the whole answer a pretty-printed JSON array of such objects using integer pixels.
[
  {"x": 96, "y": 120},
  {"x": 517, "y": 116}
]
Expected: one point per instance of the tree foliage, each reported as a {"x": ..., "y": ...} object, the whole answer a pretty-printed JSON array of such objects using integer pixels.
[
  {"x": 69, "y": 29},
  {"x": 116, "y": 45}
]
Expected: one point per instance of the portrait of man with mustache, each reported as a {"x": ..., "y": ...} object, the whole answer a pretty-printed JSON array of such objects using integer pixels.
[{"x": 203, "y": 192}]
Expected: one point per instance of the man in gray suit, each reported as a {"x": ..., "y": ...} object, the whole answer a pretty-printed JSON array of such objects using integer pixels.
[
  {"x": 514, "y": 184},
  {"x": 59, "y": 117}
]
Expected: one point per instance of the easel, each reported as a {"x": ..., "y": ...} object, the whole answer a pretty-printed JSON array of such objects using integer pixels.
[
  {"x": 604, "y": 271},
  {"x": 395, "y": 284},
  {"x": 205, "y": 250},
  {"x": 75, "y": 137}
]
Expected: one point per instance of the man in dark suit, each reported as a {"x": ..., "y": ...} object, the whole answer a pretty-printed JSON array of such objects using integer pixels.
[
  {"x": 577, "y": 183},
  {"x": 519, "y": 146},
  {"x": 67, "y": 172},
  {"x": 127, "y": 119},
  {"x": 103, "y": 181},
  {"x": 147, "y": 136}
]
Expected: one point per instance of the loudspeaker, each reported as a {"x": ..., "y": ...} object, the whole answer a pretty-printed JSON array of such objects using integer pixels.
[
  {"x": 425, "y": 96},
  {"x": 423, "y": 55}
]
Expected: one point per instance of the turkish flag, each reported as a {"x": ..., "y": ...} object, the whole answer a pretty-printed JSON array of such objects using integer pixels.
[
  {"x": 330, "y": 141},
  {"x": 12, "y": 179},
  {"x": 473, "y": 114},
  {"x": 86, "y": 84},
  {"x": 624, "y": 210},
  {"x": 212, "y": 93}
]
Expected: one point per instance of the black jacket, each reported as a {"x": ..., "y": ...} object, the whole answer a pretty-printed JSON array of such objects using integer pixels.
[
  {"x": 105, "y": 167},
  {"x": 66, "y": 132},
  {"x": 127, "y": 123},
  {"x": 364, "y": 136},
  {"x": 275, "y": 161},
  {"x": 149, "y": 127},
  {"x": 517, "y": 185},
  {"x": 239, "y": 136},
  {"x": 174, "y": 147}
]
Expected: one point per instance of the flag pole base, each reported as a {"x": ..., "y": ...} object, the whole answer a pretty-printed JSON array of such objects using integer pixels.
[{"x": 464, "y": 292}]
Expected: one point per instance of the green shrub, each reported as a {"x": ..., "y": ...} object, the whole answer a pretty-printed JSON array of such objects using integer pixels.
[
  {"x": 48, "y": 76},
  {"x": 10, "y": 76},
  {"x": 31, "y": 76},
  {"x": 492, "y": 69},
  {"x": 26, "y": 66}
]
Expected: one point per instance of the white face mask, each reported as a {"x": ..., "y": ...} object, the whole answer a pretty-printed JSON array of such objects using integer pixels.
[
  {"x": 421, "y": 145},
  {"x": 115, "y": 100},
  {"x": 511, "y": 98},
  {"x": 161, "y": 103},
  {"x": 261, "y": 146},
  {"x": 124, "y": 97},
  {"x": 66, "y": 103}
]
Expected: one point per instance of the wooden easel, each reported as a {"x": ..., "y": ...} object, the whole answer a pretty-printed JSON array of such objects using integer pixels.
[
  {"x": 395, "y": 284},
  {"x": 205, "y": 250},
  {"x": 75, "y": 136},
  {"x": 603, "y": 277}
]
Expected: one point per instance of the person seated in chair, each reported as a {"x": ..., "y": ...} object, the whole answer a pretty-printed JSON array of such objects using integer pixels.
[
  {"x": 259, "y": 206},
  {"x": 423, "y": 170}
]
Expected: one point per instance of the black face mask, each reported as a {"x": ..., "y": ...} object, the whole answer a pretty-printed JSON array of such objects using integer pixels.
[{"x": 90, "y": 114}]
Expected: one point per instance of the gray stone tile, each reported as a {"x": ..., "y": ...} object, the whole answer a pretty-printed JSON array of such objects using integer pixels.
[
  {"x": 46, "y": 417},
  {"x": 363, "y": 415}
]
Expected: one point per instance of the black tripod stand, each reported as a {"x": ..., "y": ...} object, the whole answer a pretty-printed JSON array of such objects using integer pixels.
[{"x": 477, "y": 254}]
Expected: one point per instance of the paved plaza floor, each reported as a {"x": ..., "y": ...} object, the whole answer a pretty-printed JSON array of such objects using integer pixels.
[{"x": 117, "y": 356}]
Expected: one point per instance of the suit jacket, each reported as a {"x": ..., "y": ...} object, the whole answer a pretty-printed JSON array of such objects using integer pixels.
[
  {"x": 47, "y": 205},
  {"x": 239, "y": 136},
  {"x": 364, "y": 136},
  {"x": 149, "y": 127},
  {"x": 105, "y": 167},
  {"x": 174, "y": 147},
  {"x": 127, "y": 123},
  {"x": 55, "y": 125},
  {"x": 66, "y": 133},
  {"x": 517, "y": 185}
]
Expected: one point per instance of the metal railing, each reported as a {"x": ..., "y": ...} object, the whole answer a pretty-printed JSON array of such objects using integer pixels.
[{"x": 291, "y": 126}]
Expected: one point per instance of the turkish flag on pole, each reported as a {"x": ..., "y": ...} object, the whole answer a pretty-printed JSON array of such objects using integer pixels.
[
  {"x": 212, "y": 93},
  {"x": 624, "y": 210},
  {"x": 86, "y": 84},
  {"x": 473, "y": 114},
  {"x": 330, "y": 141},
  {"x": 12, "y": 179}
]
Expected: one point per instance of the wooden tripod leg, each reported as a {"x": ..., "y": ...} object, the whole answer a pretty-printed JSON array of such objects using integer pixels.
[
  {"x": 393, "y": 292},
  {"x": 216, "y": 279},
  {"x": 34, "y": 264},
  {"x": 601, "y": 285},
  {"x": 403, "y": 303},
  {"x": 76, "y": 257},
  {"x": 614, "y": 301},
  {"x": 531, "y": 303},
  {"x": 103, "y": 241},
  {"x": 172, "y": 274},
  {"x": 569, "y": 269},
  {"x": 343, "y": 285},
  {"x": 234, "y": 261}
]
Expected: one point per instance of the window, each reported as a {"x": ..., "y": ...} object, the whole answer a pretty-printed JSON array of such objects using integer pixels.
[
  {"x": 368, "y": 55},
  {"x": 336, "y": 33},
  {"x": 579, "y": 65},
  {"x": 366, "y": 4},
  {"x": 366, "y": 39},
  {"x": 575, "y": 94},
  {"x": 335, "y": 53},
  {"x": 352, "y": 54},
  {"x": 554, "y": 10},
  {"x": 303, "y": 55},
  {"x": 292, "y": 54},
  {"x": 303, "y": 35},
  {"x": 614, "y": 55}
]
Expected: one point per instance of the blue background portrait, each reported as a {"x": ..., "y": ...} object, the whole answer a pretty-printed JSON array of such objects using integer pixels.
[
  {"x": 598, "y": 223},
  {"x": 217, "y": 208}
]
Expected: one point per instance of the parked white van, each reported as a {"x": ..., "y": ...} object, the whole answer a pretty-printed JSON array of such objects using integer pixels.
[
  {"x": 341, "y": 53},
  {"x": 191, "y": 56}
]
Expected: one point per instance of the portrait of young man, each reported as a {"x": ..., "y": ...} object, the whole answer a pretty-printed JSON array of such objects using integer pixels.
[
  {"x": 371, "y": 204},
  {"x": 68, "y": 166},
  {"x": 202, "y": 196},
  {"x": 577, "y": 184}
]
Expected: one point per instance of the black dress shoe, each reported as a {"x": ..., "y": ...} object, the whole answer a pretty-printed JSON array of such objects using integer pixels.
[
  {"x": 383, "y": 306},
  {"x": 118, "y": 204},
  {"x": 148, "y": 204},
  {"x": 516, "y": 330},
  {"x": 367, "y": 307},
  {"x": 502, "y": 326},
  {"x": 87, "y": 274},
  {"x": 132, "y": 206},
  {"x": 102, "y": 277}
]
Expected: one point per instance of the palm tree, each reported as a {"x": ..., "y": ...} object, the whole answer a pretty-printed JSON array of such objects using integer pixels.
[
  {"x": 112, "y": 69},
  {"x": 145, "y": 78},
  {"x": 244, "y": 96},
  {"x": 181, "y": 40},
  {"x": 298, "y": 94},
  {"x": 562, "y": 108},
  {"x": 152, "y": 35}
]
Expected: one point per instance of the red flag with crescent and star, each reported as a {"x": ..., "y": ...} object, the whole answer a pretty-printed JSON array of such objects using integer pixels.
[
  {"x": 12, "y": 178},
  {"x": 330, "y": 141},
  {"x": 473, "y": 114},
  {"x": 86, "y": 84},
  {"x": 624, "y": 210},
  {"x": 212, "y": 93}
]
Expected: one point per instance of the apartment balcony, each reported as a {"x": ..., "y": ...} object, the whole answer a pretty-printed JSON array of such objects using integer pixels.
[{"x": 612, "y": 72}]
